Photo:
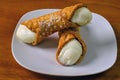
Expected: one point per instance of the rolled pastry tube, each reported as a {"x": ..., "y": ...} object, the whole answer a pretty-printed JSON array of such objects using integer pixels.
[
  {"x": 37, "y": 29},
  {"x": 71, "y": 48}
]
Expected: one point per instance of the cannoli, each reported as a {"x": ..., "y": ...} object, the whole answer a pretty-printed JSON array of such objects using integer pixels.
[
  {"x": 71, "y": 48},
  {"x": 35, "y": 30}
]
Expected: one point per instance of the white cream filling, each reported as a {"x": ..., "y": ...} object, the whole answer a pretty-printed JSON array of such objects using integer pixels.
[
  {"x": 70, "y": 53},
  {"x": 24, "y": 34},
  {"x": 82, "y": 16}
]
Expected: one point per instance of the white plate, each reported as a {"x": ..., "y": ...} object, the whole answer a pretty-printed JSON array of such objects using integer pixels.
[{"x": 98, "y": 36}]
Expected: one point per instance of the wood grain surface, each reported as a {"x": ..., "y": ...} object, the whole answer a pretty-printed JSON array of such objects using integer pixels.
[{"x": 12, "y": 10}]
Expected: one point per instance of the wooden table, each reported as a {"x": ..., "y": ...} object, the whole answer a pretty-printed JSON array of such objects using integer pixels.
[{"x": 12, "y": 10}]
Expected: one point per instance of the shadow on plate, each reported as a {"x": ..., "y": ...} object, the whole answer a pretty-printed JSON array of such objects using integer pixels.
[
  {"x": 91, "y": 54},
  {"x": 50, "y": 42}
]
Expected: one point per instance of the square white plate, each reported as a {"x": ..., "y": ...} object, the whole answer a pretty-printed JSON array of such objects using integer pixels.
[{"x": 98, "y": 36}]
